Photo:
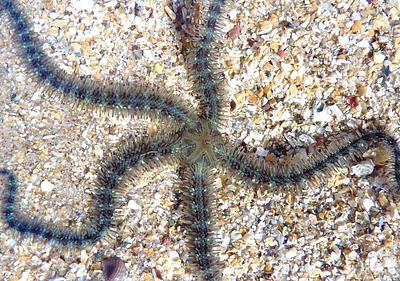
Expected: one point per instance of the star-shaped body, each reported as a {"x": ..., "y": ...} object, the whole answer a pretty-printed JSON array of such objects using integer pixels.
[{"x": 196, "y": 143}]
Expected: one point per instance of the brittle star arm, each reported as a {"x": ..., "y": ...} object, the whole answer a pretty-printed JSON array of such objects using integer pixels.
[
  {"x": 339, "y": 152},
  {"x": 208, "y": 78},
  {"x": 127, "y": 98},
  {"x": 104, "y": 200},
  {"x": 199, "y": 201}
]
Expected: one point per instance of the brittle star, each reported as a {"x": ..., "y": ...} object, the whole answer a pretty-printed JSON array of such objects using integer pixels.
[{"x": 196, "y": 143}]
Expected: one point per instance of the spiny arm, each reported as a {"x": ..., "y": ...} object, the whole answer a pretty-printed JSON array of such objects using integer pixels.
[
  {"x": 339, "y": 152},
  {"x": 198, "y": 218},
  {"x": 206, "y": 74},
  {"x": 126, "y": 97},
  {"x": 135, "y": 155}
]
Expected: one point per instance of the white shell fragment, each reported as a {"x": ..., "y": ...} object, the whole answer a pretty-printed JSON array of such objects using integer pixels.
[
  {"x": 132, "y": 205},
  {"x": 363, "y": 168},
  {"x": 323, "y": 116},
  {"x": 83, "y": 5},
  {"x": 368, "y": 204},
  {"x": 343, "y": 40},
  {"x": 46, "y": 186}
]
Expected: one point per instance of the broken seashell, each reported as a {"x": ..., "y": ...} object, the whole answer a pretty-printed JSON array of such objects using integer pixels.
[
  {"x": 113, "y": 269},
  {"x": 363, "y": 168}
]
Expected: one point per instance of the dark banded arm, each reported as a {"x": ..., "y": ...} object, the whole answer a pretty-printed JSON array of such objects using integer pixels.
[
  {"x": 339, "y": 152},
  {"x": 128, "y": 98},
  {"x": 104, "y": 200}
]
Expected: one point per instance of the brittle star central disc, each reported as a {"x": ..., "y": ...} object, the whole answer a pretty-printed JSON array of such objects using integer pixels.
[{"x": 202, "y": 141}]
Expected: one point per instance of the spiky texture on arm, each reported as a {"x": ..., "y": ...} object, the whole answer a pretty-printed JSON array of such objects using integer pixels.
[
  {"x": 207, "y": 77},
  {"x": 125, "y": 97},
  {"x": 198, "y": 199},
  {"x": 105, "y": 198},
  {"x": 339, "y": 152}
]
